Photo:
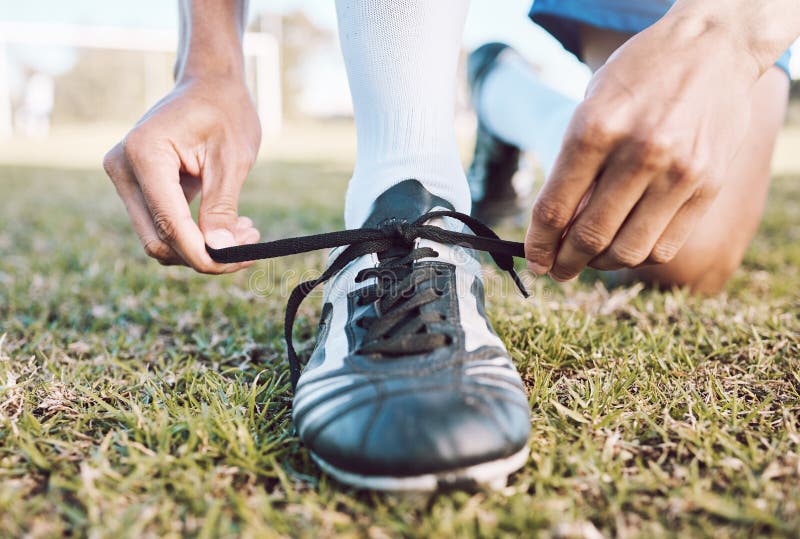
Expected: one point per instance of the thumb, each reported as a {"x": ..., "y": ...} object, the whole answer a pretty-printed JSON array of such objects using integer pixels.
[{"x": 218, "y": 216}]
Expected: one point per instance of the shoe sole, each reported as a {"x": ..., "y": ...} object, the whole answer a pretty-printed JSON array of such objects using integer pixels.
[{"x": 493, "y": 475}]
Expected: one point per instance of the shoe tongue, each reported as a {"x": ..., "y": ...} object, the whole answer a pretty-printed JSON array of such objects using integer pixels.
[{"x": 405, "y": 201}]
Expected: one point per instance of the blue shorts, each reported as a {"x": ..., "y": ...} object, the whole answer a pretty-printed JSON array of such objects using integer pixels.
[{"x": 562, "y": 19}]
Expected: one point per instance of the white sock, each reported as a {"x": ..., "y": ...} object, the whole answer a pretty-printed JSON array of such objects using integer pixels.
[
  {"x": 517, "y": 107},
  {"x": 401, "y": 58}
]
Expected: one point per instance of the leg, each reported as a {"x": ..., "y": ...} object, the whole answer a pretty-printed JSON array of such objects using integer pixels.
[
  {"x": 516, "y": 106},
  {"x": 712, "y": 254},
  {"x": 407, "y": 388},
  {"x": 401, "y": 60},
  {"x": 516, "y": 111}
]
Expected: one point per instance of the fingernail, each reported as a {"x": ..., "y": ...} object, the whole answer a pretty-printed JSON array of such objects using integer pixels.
[
  {"x": 536, "y": 268},
  {"x": 220, "y": 238}
]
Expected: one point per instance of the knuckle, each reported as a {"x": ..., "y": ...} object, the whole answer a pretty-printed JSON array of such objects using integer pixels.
[
  {"x": 626, "y": 255},
  {"x": 111, "y": 162},
  {"x": 134, "y": 141},
  {"x": 701, "y": 173},
  {"x": 552, "y": 213},
  {"x": 709, "y": 189},
  {"x": 664, "y": 251},
  {"x": 653, "y": 151},
  {"x": 685, "y": 172},
  {"x": 166, "y": 227},
  {"x": 594, "y": 129},
  {"x": 156, "y": 249},
  {"x": 589, "y": 238},
  {"x": 535, "y": 253}
]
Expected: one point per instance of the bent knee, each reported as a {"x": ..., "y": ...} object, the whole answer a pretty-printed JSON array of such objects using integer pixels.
[
  {"x": 709, "y": 282},
  {"x": 704, "y": 273}
]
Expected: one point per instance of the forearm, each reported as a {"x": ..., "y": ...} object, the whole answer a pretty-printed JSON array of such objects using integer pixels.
[
  {"x": 210, "y": 41},
  {"x": 763, "y": 29}
]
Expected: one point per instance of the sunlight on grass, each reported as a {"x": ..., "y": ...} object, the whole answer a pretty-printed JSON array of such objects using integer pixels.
[{"x": 139, "y": 400}]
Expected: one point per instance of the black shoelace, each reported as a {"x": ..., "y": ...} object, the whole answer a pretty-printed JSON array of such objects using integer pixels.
[{"x": 398, "y": 291}]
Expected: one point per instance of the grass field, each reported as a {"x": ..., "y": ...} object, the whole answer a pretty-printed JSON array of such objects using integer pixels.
[{"x": 140, "y": 401}]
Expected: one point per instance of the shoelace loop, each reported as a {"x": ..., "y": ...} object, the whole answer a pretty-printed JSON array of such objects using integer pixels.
[
  {"x": 398, "y": 229},
  {"x": 362, "y": 241}
]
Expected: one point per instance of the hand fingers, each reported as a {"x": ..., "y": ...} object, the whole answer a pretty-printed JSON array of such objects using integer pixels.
[
  {"x": 190, "y": 185},
  {"x": 243, "y": 223},
  {"x": 119, "y": 170},
  {"x": 156, "y": 168},
  {"x": 245, "y": 231},
  {"x": 679, "y": 229},
  {"x": 615, "y": 194},
  {"x": 648, "y": 222},
  {"x": 250, "y": 235},
  {"x": 581, "y": 159},
  {"x": 222, "y": 182}
]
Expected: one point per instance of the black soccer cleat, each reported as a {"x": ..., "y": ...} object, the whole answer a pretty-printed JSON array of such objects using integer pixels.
[
  {"x": 494, "y": 162},
  {"x": 408, "y": 386}
]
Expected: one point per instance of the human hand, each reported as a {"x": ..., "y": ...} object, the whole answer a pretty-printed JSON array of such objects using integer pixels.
[
  {"x": 646, "y": 152},
  {"x": 203, "y": 137}
]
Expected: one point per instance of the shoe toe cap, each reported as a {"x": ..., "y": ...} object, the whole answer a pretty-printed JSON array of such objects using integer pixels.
[{"x": 417, "y": 432}]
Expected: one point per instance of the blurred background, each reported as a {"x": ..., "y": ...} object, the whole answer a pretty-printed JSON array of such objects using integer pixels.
[
  {"x": 140, "y": 400},
  {"x": 75, "y": 75}
]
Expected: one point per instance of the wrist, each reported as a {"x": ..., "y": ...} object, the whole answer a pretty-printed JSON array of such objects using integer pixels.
[
  {"x": 220, "y": 63},
  {"x": 210, "y": 42},
  {"x": 755, "y": 32},
  {"x": 714, "y": 33}
]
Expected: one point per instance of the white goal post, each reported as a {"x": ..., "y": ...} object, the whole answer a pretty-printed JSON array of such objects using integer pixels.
[{"x": 263, "y": 47}]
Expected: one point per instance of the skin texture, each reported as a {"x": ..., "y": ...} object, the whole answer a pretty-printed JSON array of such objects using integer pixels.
[
  {"x": 202, "y": 138},
  {"x": 717, "y": 244},
  {"x": 659, "y": 136},
  {"x": 712, "y": 253}
]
